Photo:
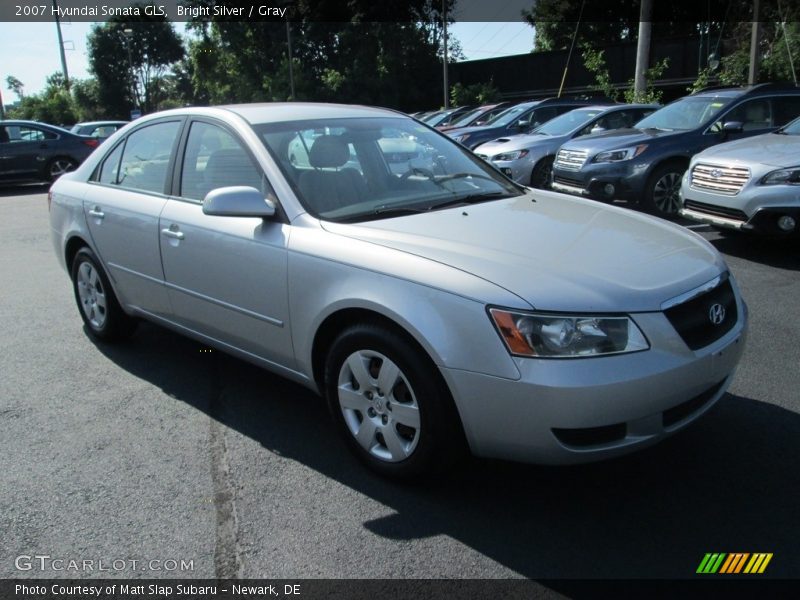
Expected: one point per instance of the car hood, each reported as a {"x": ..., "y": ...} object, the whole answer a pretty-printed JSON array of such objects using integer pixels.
[
  {"x": 618, "y": 138},
  {"x": 771, "y": 149},
  {"x": 556, "y": 253},
  {"x": 512, "y": 142}
]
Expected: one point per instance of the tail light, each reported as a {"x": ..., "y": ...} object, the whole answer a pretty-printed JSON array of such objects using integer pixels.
[{"x": 92, "y": 142}]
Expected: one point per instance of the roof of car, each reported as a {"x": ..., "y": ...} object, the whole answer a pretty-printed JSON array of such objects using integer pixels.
[
  {"x": 270, "y": 112},
  {"x": 96, "y": 123},
  {"x": 34, "y": 123}
]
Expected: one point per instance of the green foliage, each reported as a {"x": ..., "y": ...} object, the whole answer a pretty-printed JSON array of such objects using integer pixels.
[
  {"x": 16, "y": 86},
  {"x": 650, "y": 95},
  {"x": 54, "y": 105},
  {"x": 478, "y": 93},
  {"x": 130, "y": 67},
  {"x": 595, "y": 62}
]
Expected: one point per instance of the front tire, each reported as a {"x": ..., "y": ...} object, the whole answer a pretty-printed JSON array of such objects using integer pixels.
[
  {"x": 390, "y": 404},
  {"x": 541, "y": 175},
  {"x": 662, "y": 194},
  {"x": 97, "y": 304}
]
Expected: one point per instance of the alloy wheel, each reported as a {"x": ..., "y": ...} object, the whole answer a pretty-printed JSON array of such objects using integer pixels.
[
  {"x": 665, "y": 193},
  {"x": 60, "y": 166}
]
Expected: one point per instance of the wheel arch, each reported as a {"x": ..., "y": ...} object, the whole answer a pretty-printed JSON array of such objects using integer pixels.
[
  {"x": 336, "y": 322},
  {"x": 71, "y": 248}
]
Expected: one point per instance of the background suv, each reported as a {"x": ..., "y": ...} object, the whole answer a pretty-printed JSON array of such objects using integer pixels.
[
  {"x": 646, "y": 164},
  {"x": 520, "y": 118},
  {"x": 750, "y": 185},
  {"x": 528, "y": 159}
]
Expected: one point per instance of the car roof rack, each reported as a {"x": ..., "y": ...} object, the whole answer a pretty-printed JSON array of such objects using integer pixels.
[{"x": 749, "y": 89}]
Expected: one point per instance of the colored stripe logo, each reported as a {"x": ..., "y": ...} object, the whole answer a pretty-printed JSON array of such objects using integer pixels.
[{"x": 734, "y": 563}]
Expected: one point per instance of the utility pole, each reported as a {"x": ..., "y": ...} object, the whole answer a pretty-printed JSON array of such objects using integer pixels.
[
  {"x": 755, "y": 35},
  {"x": 444, "y": 63},
  {"x": 2, "y": 107},
  {"x": 642, "y": 50},
  {"x": 291, "y": 70},
  {"x": 61, "y": 46}
]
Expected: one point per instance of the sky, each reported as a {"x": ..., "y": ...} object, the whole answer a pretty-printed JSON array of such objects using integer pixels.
[{"x": 29, "y": 51}]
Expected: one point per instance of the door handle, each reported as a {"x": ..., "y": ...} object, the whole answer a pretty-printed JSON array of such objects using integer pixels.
[
  {"x": 97, "y": 213},
  {"x": 173, "y": 232}
]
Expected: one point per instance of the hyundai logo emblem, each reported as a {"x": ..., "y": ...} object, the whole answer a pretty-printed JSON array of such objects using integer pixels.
[
  {"x": 716, "y": 314},
  {"x": 716, "y": 174}
]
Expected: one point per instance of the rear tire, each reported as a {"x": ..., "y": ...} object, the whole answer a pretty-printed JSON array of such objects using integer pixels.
[
  {"x": 97, "y": 304},
  {"x": 390, "y": 404},
  {"x": 58, "y": 166}
]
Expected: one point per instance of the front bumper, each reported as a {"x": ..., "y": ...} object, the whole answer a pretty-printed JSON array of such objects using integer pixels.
[
  {"x": 582, "y": 410},
  {"x": 627, "y": 180},
  {"x": 756, "y": 209}
]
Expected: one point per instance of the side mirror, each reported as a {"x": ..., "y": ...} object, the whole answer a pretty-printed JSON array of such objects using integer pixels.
[
  {"x": 238, "y": 201},
  {"x": 732, "y": 127},
  {"x": 522, "y": 124}
]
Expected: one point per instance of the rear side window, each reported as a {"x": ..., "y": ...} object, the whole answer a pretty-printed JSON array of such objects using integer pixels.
[
  {"x": 22, "y": 133},
  {"x": 785, "y": 109},
  {"x": 110, "y": 169},
  {"x": 145, "y": 159}
]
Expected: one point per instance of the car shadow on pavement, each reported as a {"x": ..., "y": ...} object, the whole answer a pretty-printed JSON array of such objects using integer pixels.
[
  {"x": 729, "y": 483},
  {"x": 23, "y": 189},
  {"x": 781, "y": 253}
]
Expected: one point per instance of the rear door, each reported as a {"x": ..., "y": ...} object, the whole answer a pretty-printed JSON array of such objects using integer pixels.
[
  {"x": 122, "y": 208},
  {"x": 227, "y": 276}
]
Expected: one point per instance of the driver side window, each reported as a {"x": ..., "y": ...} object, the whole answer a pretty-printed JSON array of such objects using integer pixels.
[{"x": 754, "y": 115}]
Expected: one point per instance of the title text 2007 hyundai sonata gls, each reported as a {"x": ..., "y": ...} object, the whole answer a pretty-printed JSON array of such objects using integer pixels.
[{"x": 437, "y": 307}]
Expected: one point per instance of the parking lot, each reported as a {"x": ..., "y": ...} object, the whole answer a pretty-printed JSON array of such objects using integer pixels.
[{"x": 162, "y": 450}]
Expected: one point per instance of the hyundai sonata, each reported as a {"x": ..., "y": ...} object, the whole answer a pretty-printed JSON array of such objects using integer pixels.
[{"x": 437, "y": 309}]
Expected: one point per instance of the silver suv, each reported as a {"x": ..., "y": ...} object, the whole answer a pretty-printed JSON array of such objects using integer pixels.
[{"x": 750, "y": 185}]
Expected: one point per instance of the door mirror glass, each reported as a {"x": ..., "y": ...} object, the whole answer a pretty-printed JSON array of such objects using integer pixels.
[
  {"x": 238, "y": 201},
  {"x": 733, "y": 127}
]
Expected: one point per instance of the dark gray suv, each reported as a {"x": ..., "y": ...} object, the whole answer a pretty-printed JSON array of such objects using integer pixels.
[{"x": 645, "y": 164}]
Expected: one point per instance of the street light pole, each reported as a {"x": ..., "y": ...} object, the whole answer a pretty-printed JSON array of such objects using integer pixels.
[{"x": 291, "y": 69}]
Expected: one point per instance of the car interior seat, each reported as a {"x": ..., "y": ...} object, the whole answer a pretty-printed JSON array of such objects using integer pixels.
[{"x": 328, "y": 186}]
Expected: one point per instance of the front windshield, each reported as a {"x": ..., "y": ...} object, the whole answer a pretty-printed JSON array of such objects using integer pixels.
[
  {"x": 684, "y": 114},
  {"x": 564, "y": 124},
  {"x": 792, "y": 128},
  {"x": 512, "y": 114},
  {"x": 465, "y": 120},
  {"x": 369, "y": 168}
]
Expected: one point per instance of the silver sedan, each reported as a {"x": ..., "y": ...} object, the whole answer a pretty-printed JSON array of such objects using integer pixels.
[{"x": 438, "y": 307}]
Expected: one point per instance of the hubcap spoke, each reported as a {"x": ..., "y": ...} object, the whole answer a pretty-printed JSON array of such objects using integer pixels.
[
  {"x": 356, "y": 363},
  {"x": 366, "y": 434},
  {"x": 387, "y": 376},
  {"x": 406, "y": 414},
  {"x": 394, "y": 444},
  {"x": 101, "y": 300},
  {"x": 349, "y": 398}
]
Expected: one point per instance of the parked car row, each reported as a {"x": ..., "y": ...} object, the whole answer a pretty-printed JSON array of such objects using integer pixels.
[
  {"x": 723, "y": 156},
  {"x": 33, "y": 151}
]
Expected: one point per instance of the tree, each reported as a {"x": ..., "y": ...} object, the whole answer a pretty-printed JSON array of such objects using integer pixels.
[
  {"x": 142, "y": 51},
  {"x": 16, "y": 86},
  {"x": 477, "y": 93},
  {"x": 360, "y": 51},
  {"x": 594, "y": 61},
  {"x": 53, "y": 105}
]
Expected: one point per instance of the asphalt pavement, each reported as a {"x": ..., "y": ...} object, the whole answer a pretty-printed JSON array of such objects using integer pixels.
[{"x": 195, "y": 464}]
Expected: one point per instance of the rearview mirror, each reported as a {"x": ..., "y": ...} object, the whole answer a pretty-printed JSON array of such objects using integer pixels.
[{"x": 238, "y": 201}]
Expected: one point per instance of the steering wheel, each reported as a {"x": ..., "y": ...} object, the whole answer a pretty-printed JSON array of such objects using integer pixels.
[{"x": 418, "y": 171}]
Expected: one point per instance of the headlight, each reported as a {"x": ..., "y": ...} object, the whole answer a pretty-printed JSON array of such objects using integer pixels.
[
  {"x": 790, "y": 176},
  {"x": 516, "y": 154},
  {"x": 567, "y": 336},
  {"x": 621, "y": 154}
]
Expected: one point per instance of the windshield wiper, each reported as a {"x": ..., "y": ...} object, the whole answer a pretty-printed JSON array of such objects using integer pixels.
[{"x": 463, "y": 176}]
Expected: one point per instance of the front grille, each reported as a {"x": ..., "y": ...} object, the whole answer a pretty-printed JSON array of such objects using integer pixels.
[
  {"x": 591, "y": 436},
  {"x": 693, "y": 318},
  {"x": 571, "y": 160},
  {"x": 721, "y": 180},
  {"x": 718, "y": 211},
  {"x": 684, "y": 410}
]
